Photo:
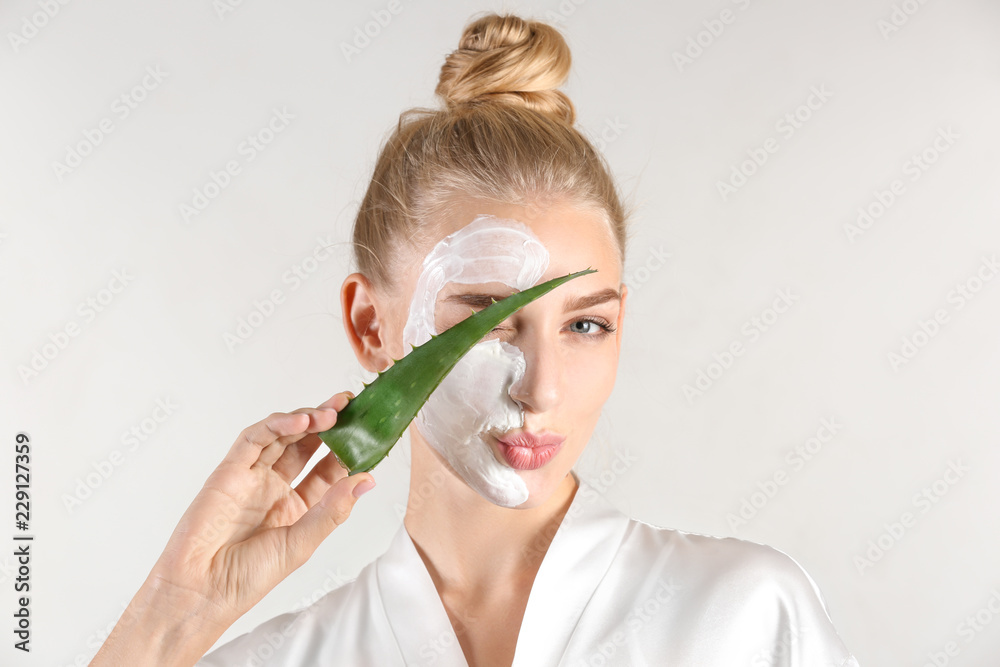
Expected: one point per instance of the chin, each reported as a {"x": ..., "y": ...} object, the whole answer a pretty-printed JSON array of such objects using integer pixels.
[{"x": 542, "y": 485}]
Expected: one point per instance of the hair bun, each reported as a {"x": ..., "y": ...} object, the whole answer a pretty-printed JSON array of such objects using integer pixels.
[{"x": 509, "y": 60}]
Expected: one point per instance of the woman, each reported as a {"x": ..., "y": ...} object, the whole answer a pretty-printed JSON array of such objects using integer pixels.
[{"x": 494, "y": 193}]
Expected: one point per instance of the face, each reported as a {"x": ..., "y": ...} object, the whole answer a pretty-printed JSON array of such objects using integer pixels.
[{"x": 541, "y": 375}]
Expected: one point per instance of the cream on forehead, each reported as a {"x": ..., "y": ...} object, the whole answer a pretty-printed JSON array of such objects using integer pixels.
[
  {"x": 474, "y": 398},
  {"x": 488, "y": 249}
]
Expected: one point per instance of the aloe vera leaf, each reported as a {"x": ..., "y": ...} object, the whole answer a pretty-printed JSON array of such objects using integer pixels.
[{"x": 375, "y": 419}]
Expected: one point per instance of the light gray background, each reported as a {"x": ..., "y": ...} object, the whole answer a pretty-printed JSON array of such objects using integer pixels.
[{"x": 671, "y": 133}]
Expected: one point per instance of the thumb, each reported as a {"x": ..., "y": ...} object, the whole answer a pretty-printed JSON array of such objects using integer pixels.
[{"x": 333, "y": 509}]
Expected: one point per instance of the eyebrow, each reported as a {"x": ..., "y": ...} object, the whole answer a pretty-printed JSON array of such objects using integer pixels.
[{"x": 572, "y": 304}]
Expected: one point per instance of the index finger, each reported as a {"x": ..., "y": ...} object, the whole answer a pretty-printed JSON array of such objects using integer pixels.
[
  {"x": 254, "y": 438},
  {"x": 338, "y": 401}
]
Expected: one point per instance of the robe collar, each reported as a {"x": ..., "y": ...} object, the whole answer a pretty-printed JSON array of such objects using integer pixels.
[{"x": 579, "y": 555}]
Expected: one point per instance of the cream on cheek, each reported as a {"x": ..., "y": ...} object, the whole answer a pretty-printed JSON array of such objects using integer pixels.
[{"x": 474, "y": 399}]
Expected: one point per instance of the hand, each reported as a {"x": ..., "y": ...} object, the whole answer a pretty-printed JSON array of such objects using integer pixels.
[{"x": 245, "y": 531}]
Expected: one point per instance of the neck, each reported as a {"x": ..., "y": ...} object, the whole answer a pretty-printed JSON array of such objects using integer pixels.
[{"x": 469, "y": 545}]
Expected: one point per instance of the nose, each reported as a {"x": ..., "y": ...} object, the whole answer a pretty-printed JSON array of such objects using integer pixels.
[{"x": 540, "y": 389}]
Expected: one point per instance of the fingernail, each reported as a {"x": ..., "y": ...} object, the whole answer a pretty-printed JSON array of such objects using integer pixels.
[{"x": 364, "y": 487}]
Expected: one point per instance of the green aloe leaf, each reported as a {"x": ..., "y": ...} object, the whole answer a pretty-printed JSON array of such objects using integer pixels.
[{"x": 375, "y": 419}]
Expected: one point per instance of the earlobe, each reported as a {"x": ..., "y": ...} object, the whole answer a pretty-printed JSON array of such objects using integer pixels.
[{"x": 362, "y": 322}]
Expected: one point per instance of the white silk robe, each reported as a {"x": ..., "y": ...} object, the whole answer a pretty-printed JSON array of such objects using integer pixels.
[{"x": 610, "y": 590}]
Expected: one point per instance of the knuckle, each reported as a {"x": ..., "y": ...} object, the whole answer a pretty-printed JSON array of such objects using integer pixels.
[{"x": 341, "y": 512}]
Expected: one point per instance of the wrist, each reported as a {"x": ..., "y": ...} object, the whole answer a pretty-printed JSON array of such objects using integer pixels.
[{"x": 159, "y": 629}]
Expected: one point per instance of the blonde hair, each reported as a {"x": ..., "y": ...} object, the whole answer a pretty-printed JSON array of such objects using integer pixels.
[{"x": 505, "y": 134}]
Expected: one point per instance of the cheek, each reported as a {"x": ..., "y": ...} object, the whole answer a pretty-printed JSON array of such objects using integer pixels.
[
  {"x": 590, "y": 375},
  {"x": 474, "y": 397}
]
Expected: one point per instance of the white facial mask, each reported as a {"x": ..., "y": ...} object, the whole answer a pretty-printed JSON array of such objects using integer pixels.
[{"x": 474, "y": 399}]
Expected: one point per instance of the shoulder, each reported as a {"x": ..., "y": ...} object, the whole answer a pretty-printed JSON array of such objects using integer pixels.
[
  {"x": 746, "y": 601},
  {"x": 730, "y": 567}
]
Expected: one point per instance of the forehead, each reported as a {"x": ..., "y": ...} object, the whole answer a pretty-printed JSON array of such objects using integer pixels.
[{"x": 575, "y": 238}]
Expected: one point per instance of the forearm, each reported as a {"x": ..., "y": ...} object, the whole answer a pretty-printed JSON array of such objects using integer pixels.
[{"x": 158, "y": 629}]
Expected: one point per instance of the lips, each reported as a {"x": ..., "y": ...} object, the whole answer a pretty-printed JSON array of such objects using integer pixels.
[{"x": 528, "y": 451}]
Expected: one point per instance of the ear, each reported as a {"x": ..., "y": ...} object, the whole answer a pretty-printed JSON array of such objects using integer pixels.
[
  {"x": 621, "y": 319},
  {"x": 365, "y": 327}
]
